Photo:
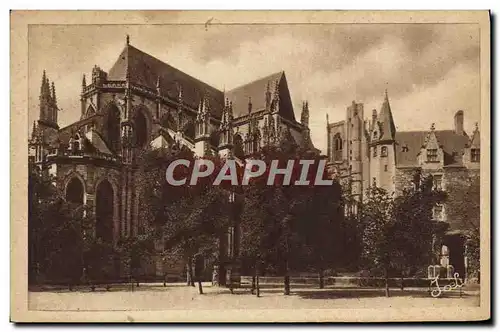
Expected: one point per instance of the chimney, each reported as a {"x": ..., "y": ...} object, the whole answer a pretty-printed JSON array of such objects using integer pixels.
[{"x": 459, "y": 123}]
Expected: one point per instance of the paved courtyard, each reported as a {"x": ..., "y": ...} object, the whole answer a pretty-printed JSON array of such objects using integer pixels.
[{"x": 179, "y": 296}]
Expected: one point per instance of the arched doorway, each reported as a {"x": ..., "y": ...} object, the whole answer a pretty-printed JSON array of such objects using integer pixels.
[
  {"x": 74, "y": 191},
  {"x": 141, "y": 129},
  {"x": 104, "y": 211},
  {"x": 113, "y": 127}
]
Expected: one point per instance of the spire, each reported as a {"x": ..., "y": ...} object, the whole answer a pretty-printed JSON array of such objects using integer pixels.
[
  {"x": 84, "y": 82},
  {"x": 327, "y": 119},
  {"x": 54, "y": 99},
  {"x": 45, "y": 99},
  {"x": 476, "y": 127},
  {"x": 44, "y": 79},
  {"x": 33, "y": 132},
  {"x": 250, "y": 105},
  {"x": 304, "y": 117},
  {"x": 388, "y": 127}
]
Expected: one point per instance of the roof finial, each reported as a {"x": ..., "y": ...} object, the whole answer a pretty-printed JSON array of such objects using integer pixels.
[
  {"x": 386, "y": 96},
  {"x": 476, "y": 127},
  {"x": 433, "y": 126},
  {"x": 327, "y": 119},
  {"x": 128, "y": 39}
]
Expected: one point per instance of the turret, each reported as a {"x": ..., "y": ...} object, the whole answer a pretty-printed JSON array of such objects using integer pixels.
[
  {"x": 388, "y": 127},
  {"x": 84, "y": 83},
  {"x": 383, "y": 147},
  {"x": 226, "y": 130},
  {"x": 48, "y": 103}
]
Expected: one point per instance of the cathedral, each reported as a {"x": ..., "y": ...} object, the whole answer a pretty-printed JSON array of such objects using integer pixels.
[
  {"x": 372, "y": 152},
  {"x": 143, "y": 101}
]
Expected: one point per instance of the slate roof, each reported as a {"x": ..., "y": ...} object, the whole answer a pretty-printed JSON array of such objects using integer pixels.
[
  {"x": 256, "y": 90},
  {"x": 144, "y": 69},
  {"x": 388, "y": 129},
  {"x": 414, "y": 140}
]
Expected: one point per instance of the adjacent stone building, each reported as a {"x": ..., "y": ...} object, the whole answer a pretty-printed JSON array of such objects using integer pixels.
[{"x": 371, "y": 152}]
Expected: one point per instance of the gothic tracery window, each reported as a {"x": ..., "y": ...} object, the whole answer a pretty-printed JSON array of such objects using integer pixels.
[
  {"x": 113, "y": 127},
  {"x": 337, "y": 153},
  {"x": 141, "y": 134},
  {"x": 475, "y": 155}
]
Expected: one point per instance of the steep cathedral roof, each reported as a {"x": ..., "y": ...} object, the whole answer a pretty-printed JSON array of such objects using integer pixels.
[
  {"x": 145, "y": 70},
  {"x": 388, "y": 127},
  {"x": 256, "y": 92}
]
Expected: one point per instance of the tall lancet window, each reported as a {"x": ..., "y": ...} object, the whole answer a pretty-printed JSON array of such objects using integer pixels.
[{"x": 337, "y": 146}]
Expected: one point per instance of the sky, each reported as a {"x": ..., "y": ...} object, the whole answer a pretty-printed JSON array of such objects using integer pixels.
[{"x": 429, "y": 70}]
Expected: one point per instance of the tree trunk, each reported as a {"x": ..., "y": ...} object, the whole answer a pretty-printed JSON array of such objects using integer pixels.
[
  {"x": 321, "y": 279},
  {"x": 257, "y": 275},
  {"x": 387, "y": 282},
  {"x": 189, "y": 268},
  {"x": 254, "y": 277},
  {"x": 257, "y": 286},
  {"x": 287, "y": 285},
  {"x": 200, "y": 287}
]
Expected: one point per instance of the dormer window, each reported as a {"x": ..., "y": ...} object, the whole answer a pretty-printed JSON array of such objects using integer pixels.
[
  {"x": 475, "y": 155},
  {"x": 432, "y": 155},
  {"x": 374, "y": 135},
  {"x": 383, "y": 151},
  {"x": 405, "y": 148}
]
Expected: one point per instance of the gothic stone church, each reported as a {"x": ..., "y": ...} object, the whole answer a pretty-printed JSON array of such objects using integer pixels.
[
  {"x": 143, "y": 101},
  {"x": 366, "y": 152}
]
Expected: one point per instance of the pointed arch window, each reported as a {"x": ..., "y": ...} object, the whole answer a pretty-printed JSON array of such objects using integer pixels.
[
  {"x": 141, "y": 129},
  {"x": 383, "y": 151},
  {"x": 475, "y": 155},
  {"x": 113, "y": 127},
  {"x": 256, "y": 142},
  {"x": 337, "y": 153}
]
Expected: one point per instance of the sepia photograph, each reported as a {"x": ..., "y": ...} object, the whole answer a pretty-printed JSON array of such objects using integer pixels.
[{"x": 250, "y": 166}]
